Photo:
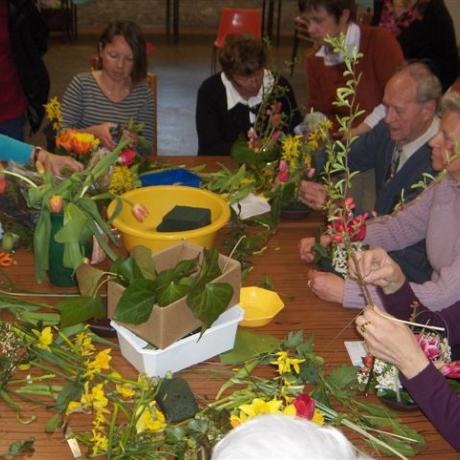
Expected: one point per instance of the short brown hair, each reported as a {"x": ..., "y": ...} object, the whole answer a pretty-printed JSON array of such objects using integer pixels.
[
  {"x": 333, "y": 7},
  {"x": 132, "y": 33},
  {"x": 242, "y": 55}
]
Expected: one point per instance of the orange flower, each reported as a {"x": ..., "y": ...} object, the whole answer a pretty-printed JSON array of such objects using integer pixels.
[
  {"x": 64, "y": 139},
  {"x": 56, "y": 203},
  {"x": 140, "y": 212}
]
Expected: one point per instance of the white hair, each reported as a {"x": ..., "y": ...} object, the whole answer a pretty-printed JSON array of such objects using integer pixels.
[{"x": 282, "y": 437}]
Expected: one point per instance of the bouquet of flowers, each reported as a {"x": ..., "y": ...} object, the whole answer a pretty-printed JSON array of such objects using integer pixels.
[
  {"x": 261, "y": 144},
  {"x": 385, "y": 376}
]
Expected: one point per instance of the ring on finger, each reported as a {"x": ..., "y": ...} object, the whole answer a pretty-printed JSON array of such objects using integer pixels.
[{"x": 362, "y": 327}]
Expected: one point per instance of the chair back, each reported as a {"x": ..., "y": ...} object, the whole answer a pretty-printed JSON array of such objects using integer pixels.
[{"x": 238, "y": 21}]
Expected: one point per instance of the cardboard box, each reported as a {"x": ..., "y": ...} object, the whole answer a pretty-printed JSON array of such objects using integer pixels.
[
  {"x": 168, "y": 324},
  {"x": 217, "y": 339}
]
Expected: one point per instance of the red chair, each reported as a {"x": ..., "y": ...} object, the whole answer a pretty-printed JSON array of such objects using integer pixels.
[{"x": 237, "y": 21}]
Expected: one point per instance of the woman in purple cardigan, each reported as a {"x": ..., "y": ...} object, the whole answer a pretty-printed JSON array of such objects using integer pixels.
[{"x": 394, "y": 342}]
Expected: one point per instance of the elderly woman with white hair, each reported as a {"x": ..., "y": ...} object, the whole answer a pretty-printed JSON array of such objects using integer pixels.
[{"x": 281, "y": 437}]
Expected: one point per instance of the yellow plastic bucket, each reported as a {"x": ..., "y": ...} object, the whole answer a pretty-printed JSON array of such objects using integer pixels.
[{"x": 159, "y": 200}]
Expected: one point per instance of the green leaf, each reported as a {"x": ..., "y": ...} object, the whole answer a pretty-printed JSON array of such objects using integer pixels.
[
  {"x": 210, "y": 266},
  {"x": 309, "y": 374},
  {"x": 71, "y": 392},
  {"x": 79, "y": 309},
  {"x": 249, "y": 344},
  {"x": 143, "y": 258},
  {"x": 42, "y": 236},
  {"x": 18, "y": 448},
  {"x": 88, "y": 278},
  {"x": 343, "y": 377},
  {"x": 136, "y": 302},
  {"x": 53, "y": 423},
  {"x": 172, "y": 292},
  {"x": 208, "y": 302},
  {"x": 127, "y": 269},
  {"x": 74, "y": 226},
  {"x": 293, "y": 340}
]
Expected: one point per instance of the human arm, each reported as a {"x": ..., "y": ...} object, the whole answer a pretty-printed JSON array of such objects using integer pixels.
[
  {"x": 14, "y": 150},
  {"x": 395, "y": 343},
  {"x": 208, "y": 117},
  {"x": 326, "y": 286}
]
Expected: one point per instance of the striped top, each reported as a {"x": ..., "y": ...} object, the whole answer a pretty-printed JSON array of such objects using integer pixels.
[{"x": 84, "y": 104}]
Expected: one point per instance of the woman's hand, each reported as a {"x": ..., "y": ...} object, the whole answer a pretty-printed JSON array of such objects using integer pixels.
[
  {"x": 306, "y": 245},
  {"x": 391, "y": 341},
  {"x": 378, "y": 268},
  {"x": 57, "y": 163},
  {"x": 312, "y": 194},
  {"x": 326, "y": 286},
  {"x": 103, "y": 133}
]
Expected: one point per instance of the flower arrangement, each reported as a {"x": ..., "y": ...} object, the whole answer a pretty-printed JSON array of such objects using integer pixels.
[
  {"x": 261, "y": 144},
  {"x": 68, "y": 196},
  {"x": 385, "y": 377}
]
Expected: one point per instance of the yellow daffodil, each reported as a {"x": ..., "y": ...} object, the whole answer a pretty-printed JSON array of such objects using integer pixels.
[
  {"x": 99, "y": 363},
  {"x": 45, "y": 338},
  {"x": 318, "y": 417},
  {"x": 285, "y": 363},
  {"x": 73, "y": 406},
  {"x": 84, "y": 343},
  {"x": 290, "y": 410},
  {"x": 126, "y": 390},
  {"x": 150, "y": 419}
]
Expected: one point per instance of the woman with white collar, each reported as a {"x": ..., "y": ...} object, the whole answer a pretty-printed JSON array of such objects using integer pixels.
[
  {"x": 382, "y": 55},
  {"x": 228, "y": 101}
]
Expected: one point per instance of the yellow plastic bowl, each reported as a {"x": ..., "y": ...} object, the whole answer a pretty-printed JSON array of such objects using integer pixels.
[
  {"x": 159, "y": 200},
  {"x": 260, "y": 306}
]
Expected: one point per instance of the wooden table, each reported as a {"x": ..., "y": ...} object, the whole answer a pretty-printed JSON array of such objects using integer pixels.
[{"x": 303, "y": 311}]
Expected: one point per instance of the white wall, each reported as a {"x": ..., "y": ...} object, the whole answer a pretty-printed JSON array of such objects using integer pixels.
[{"x": 454, "y": 8}]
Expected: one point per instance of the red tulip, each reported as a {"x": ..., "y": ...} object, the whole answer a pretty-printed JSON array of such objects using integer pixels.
[
  {"x": 140, "y": 212},
  {"x": 304, "y": 405}
]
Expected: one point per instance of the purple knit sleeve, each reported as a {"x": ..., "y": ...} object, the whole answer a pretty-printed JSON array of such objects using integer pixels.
[
  {"x": 437, "y": 400},
  {"x": 403, "y": 302}
]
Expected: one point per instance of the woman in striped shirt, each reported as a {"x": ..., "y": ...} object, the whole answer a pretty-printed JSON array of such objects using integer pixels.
[{"x": 97, "y": 101}]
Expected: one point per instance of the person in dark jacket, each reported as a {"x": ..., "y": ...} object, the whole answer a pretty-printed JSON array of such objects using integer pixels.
[
  {"x": 228, "y": 101},
  {"x": 24, "y": 80},
  {"x": 424, "y": 30}
]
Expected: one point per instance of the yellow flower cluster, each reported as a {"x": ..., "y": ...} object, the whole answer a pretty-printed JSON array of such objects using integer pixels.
[
  {"x": 291, "y": 148},
  {"x": 122, "y": 180},
  {"x": 99, "y": 363},
  {"x": 84, "y": 343},
  {"x": 150, "y": 418},
  {"x": 44, "y": 338},
  {"x": 319, "y": 135},
  {"x": 54, "y": 114},
  {"x": 259, "y": 407},
  {"x": 285, "y": 363}
]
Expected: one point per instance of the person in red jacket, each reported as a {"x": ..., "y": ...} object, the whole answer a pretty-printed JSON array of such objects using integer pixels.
[
  {"x": 24, "y": 81},
  {"x": 382, "y": 55}
]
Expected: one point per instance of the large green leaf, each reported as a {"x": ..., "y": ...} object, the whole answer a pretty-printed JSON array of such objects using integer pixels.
[
  {"x": 210, "y": 267},
  {"x": 75, "y": 222},
  {"x": 71, "y": 392},
  {"x": 79, "y": 309},
  {"x": 136, "y": 302},
  {"x": 127, "y": 269},
  {"x": 172, "y": 292},
  {"x": 143, "y": 259},
  {"x": 249, "y": 344},
  {"x": 343, "y": 377},
  {"x": 88, "y": 278},
  {"x": 183, "y": 269},
  {"x": 209, "y": 301}
]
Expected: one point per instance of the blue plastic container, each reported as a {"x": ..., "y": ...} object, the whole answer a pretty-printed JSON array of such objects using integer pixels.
[{"x": 178, "y": 176}]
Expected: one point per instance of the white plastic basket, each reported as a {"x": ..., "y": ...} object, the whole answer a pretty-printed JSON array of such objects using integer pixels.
[{"x": 184, "y": 353}]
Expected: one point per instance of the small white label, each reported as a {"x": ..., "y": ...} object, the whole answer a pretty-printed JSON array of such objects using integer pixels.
[{"x": 357, "y": 350}]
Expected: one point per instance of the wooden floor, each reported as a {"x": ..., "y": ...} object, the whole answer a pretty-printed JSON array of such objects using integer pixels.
[{"x": 180, "y": 69}]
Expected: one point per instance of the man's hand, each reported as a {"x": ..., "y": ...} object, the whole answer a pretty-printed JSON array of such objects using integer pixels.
[
  {"x": 326, "y": 286},
  {"x": 312, "y": 194}
]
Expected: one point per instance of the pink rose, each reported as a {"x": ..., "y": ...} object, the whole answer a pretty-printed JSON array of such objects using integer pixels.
[
  {"x": 304, "y": 405},
  {"x": 430, "y": 346},
  {"x": 126, "y": 157},
  {"x": 451, "y": 370}
]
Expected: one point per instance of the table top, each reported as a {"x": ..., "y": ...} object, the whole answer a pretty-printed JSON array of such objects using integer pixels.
[{"x": 330, "y": 323}]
